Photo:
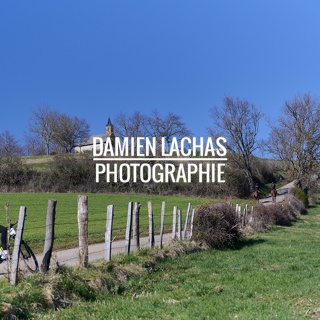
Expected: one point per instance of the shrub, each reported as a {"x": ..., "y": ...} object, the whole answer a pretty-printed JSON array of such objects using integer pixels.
[
  {"x": 216, "y": 225},
  {"x": 297, "y": 206},
  {"x": 69, "y": 173},
  {"x": 237, "y": 183},
  {"x": 12, "y": 172},
  {"x": 301, "y": 195},
  {"x": 263, "y": 169},
  {"x": 262, "y": 218},
  {"x": 282, "y": 214}
]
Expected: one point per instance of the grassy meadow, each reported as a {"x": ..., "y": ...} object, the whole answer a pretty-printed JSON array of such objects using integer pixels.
[{"x": 66, "y": 227}]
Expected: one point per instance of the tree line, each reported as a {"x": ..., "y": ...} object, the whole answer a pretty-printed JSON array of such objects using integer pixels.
[{"x": 294, "y": 140}]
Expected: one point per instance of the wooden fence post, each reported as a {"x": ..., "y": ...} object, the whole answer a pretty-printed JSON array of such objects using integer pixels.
[
  {"x": 8, "y": 239},
  {"x": 151, "y": 225},
  {"x": 108, "y": 234},
  {"x": 185, "y": 230},
  {"x": 162, "y": 222},
  {"x": 243, "y": 218},
  {"x": 239, "y": 214},
  {"x": 136, "y": 225},
  {"x": 251, "y": 216},
  {"x": 174, "y": 222},
  {"x": 246, "y": 215},
  {"x": 16, "y": 248},
  {"x": 83, "y": 231},
  {"x": 48, "y": 244},
  {"x": 179, "y": 225},
  {"x": 191, "y": 224},
  {"x": 128, "y": 229}
]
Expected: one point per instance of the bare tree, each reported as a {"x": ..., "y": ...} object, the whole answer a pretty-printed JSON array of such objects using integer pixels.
[
  {"x": 34, "y": 145},
  {"x": 130, "y": 126},
  {"x": 68, "y": 131},
  {"x": 9, "y": 147},
  {"x": 42, "y": 124},
  {"x": 238, "y": 121},
  {"x": 167, "y": 127},
  {"x": 295, "y": 139}
]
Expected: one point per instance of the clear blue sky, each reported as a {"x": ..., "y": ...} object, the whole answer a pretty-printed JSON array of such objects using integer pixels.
[{"x": 98, "y": 58}]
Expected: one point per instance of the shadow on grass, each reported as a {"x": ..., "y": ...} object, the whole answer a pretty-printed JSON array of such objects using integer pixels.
[{"x": 246, "y": 243}]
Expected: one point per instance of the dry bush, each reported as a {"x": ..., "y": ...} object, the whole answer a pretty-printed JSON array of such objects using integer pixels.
[
  {"x": 291, "y": 210},
  {"x": 262, "y": 218},
  {"x": 297, "y": 205},
  {"x": 216, "y": 225},
  {"x": 282, "y": 214}
]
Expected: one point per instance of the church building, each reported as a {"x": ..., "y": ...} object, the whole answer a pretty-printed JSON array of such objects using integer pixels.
[{"x": 86, "y": 144}]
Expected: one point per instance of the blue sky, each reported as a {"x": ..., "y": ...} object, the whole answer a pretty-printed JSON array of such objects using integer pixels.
[{"x": 98, "y": 58}]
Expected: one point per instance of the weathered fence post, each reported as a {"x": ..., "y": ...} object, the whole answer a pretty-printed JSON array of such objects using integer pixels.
[
  {"x": 243, "y": 218},
  {"x": 151, "y": 225},
  {"x": 246, "y": 215},
  {"x": 179, "y": 225},
  {"x": 162, "y": 222},
  {"x": 174, "y": 222},
  {"x": 185, "y": 230},
  {"x": 136, "y": 225},
  {"x": 239, "y": 215},
  {"x": 8, "y": 239},
  {"x": 16, "y": 248},
  {"x": 83, "y": 231},
  {"x": 251, "y": 216},
  {"x": 48, "y": 244},
  {"x": 108, "y": 234},
  {"x": 191, "y": 224},
  {"x": 128, "y": 229}
]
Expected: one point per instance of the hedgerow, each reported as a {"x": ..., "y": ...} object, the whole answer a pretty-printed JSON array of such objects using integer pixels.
[{"x": 216, "y": 225}]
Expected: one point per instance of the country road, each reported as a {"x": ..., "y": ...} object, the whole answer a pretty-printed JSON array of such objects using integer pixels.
[{"x": 97, "y": 251}]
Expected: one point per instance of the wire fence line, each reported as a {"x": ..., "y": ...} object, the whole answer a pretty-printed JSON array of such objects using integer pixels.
[
  {"x": 67, "y": 232},
  {"x": 66, "y": 227},
  {"x": 130, "y": 233}
]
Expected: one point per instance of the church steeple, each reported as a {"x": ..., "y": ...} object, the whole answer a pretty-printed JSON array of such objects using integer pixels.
[{"x": 109, "y": 129}]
